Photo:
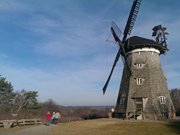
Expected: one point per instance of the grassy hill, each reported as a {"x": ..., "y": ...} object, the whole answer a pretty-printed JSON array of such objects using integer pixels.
[
  {"x": 117, "y": 127},
  {"x": 99, "y": 127}
]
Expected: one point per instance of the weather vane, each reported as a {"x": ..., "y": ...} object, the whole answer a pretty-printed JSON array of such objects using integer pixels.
[{"x": 160, "y": 33}]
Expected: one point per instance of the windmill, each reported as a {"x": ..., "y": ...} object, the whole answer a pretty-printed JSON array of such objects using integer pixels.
[{"x": 143, "y": 92}]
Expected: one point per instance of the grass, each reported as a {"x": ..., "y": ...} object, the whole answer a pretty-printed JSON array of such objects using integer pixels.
[
  {"x": 117, "y": 127},
  {"x": 102, "y": 127}
]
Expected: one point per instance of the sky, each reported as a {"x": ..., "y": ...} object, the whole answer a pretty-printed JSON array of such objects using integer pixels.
[{"x": 64, "y": 48}]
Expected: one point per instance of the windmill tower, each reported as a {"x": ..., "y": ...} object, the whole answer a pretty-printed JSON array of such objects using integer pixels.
[{"x": 143, "y": 92}]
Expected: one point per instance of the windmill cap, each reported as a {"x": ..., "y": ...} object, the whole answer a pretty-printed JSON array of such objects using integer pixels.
[{"x": 136, "y": 42}]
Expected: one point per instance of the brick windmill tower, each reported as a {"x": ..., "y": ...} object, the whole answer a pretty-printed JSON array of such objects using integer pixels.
[{"x": 143, "y": 92}]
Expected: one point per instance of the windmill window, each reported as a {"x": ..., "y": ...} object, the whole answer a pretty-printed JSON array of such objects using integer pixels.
[
  {"x": 162, "y": 99},
  {"x": 123, "y": 100},
  {"x": 139, "y": 65},
  {"x": 139, "y": 81}
]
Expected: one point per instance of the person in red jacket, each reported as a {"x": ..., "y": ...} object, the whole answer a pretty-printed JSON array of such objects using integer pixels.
[{"x": 48, "y": 118}]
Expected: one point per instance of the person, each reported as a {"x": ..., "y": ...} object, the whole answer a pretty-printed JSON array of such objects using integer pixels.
[
  {"x": 57, "y": 117},
  {"x": 48, "y": 118},
  {"x": 53, "y": 118}
]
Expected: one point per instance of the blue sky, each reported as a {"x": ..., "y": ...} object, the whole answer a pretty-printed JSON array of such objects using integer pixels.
[{"x": 59, "y": 47}]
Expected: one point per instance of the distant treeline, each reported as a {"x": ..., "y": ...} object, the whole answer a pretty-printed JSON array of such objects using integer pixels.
[
  {"x": 17, "y": 104},
  {"x": 24, "y": 104},
  {"x": 175, "y": 96}
]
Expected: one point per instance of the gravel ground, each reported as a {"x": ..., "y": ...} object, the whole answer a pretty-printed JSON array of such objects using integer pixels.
[{"x": 35, "y": 130}]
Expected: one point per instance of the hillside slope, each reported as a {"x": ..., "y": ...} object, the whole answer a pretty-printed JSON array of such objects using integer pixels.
[
  {"x": 99, "y": 127},
  {"x": 117, "y": 127}
]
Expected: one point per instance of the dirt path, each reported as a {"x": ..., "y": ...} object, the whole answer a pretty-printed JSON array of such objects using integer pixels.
[{"x": 35, "y": 130}]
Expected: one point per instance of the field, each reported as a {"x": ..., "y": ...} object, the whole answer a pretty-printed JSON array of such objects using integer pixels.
[
  {"x": 118, "y": 127},
  {"x": 102, "y": 127}
]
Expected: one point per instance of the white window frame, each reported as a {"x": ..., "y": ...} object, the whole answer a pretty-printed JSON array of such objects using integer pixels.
[
  {"x": 139, "y": 65},
  {"x": 139, "y": 81},
  {"x": 162, "y": 99}
]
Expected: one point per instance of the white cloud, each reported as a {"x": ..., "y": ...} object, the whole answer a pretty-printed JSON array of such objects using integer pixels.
[{"x": 75, "y": 87}]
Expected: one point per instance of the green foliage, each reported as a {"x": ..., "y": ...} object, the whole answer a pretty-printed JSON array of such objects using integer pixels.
[
  {"x": 14, "y": 102},
  {"x": 6, "y": 94}
]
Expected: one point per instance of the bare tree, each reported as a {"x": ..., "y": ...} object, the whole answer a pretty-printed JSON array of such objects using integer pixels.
[
  {"x": 175, "y": 96},
  {"x": 25, "y": 100}
]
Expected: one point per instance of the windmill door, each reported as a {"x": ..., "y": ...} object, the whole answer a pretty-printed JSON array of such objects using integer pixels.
[{"x": 138, "y": 106}]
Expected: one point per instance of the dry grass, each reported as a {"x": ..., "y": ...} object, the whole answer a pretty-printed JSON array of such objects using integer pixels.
[
  {"x": 100, "y": 127},
  {"x": 117, "y": 127}
]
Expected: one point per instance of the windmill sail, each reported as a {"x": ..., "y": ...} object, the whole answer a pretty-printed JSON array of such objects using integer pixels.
[
  {"x": 116, "y": 33},
  {"x": 114, "y": 64},
  {"x": 131, "y": 19}
]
